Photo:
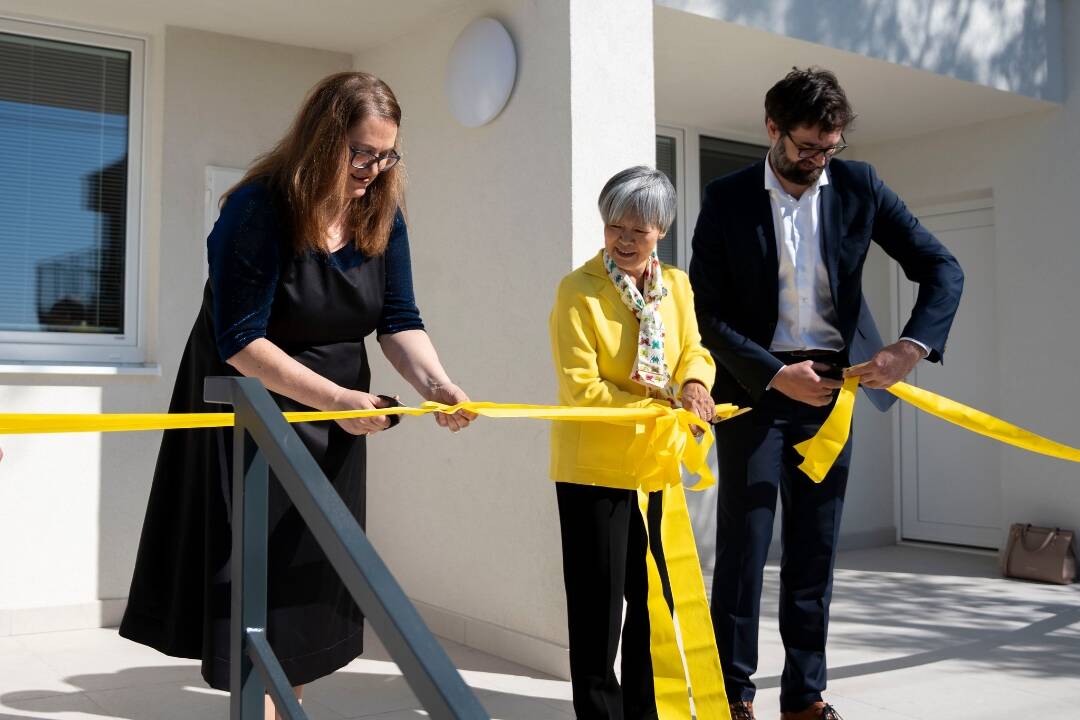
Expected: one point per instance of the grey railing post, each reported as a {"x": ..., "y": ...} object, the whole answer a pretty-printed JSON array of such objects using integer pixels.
[
  {"x": 250, "y": 493},
  {"x": 423, "y": 662}
]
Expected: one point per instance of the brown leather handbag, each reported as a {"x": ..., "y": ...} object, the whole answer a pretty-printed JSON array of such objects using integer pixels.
[{"x": 1038, "y": 553}]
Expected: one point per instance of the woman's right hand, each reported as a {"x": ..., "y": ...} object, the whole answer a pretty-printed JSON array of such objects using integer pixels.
[{"x": 359, "y": 400}]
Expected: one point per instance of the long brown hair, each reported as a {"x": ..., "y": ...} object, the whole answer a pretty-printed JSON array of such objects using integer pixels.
[{"x": 308, "y": 167}]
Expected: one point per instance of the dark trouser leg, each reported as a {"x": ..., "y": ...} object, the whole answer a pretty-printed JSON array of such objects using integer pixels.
[
  {"x": 639, "y": 698},
  {"x": 749, "y": 455},
  {"x": 810, "y": 528},
  {"x": 595, "y": 524}
]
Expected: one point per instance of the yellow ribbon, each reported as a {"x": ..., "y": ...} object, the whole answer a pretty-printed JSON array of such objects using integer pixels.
[
  {"x": 671, "y": 422},
  {"x": 820, "y": 452},
  {"x": 665, "y": 444},
  {"x": 695, "y": 628}
]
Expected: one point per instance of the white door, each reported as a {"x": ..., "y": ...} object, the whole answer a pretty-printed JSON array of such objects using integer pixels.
[{"x": 951, "y": 478}]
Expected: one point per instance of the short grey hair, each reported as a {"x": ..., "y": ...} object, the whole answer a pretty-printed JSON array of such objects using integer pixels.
[{"x": 640, "y": 193}]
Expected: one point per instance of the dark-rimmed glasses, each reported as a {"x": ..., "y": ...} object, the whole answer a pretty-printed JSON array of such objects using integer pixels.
[
  {"x": 806, "y": 153},
  {"x": 362, "y": 159}
]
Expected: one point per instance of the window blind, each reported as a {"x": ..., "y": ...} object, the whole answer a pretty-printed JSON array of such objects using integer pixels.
[{"x": 63, "y": 185}]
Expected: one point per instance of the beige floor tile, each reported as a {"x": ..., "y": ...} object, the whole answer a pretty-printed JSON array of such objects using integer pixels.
[
  {"x": 70, "y": 706},
  {"x": 942, "y": 692},
  {"x": 1041, "y": 709},
  {"x": 12, "y": 646},
  {"x": 102, "y": 660},
  {"x": 767, "y": 707},
  {"x": 411, "y": 714},
  {"x": 26, "y": 676},
  {"x": 353, "y": 694},
  {"x": 317, "y": 711},
  {"x": 163, "y": 702},
  {"x": 916, "y": 634},
  {"x": 514, "y": 707}
]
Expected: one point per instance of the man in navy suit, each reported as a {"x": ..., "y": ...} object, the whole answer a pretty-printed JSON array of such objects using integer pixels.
[{"x": 777, "y": 262}]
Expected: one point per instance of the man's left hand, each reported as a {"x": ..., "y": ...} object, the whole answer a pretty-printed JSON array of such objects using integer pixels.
[{"x": 890, "y": 365}]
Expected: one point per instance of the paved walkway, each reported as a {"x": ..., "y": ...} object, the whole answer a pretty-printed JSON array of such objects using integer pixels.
[{"x": 916, "y": 633}]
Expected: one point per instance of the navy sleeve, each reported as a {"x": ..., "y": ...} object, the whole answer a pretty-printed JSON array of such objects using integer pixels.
[
  {"x": 925, "y": 261},
  {"x": 244, "y": 252},
  {"x": 399, "y": 303}
]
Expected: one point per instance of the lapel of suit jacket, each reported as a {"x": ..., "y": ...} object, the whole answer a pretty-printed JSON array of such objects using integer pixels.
[
  {"x": 831, "y": 233},
  {"x": 765, "y": 230}
]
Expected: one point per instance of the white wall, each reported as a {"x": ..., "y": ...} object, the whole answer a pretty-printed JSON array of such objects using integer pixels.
[
  {"x": 52, "y": 488},
  {"x": 73, "y": 504},
  {"x": 613, "y": 115},
  {"x": 468, "y": 522},
  {"x": 1029, "y": 165}
]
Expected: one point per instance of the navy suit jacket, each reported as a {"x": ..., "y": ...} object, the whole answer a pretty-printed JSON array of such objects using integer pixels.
[{"x": 734, "y": 271}]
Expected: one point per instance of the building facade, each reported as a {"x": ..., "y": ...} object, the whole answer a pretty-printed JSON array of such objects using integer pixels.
[{"x": 142, "y": 112}]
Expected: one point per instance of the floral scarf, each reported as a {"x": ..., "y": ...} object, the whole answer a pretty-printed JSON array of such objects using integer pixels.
[{"x": 650, "y": 369}]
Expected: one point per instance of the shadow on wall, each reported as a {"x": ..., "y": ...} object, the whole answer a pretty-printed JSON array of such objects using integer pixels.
[{"x": 1000, "y": 43}]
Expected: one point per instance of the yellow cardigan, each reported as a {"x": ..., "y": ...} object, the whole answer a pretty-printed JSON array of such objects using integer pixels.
[{"x": 594, "y": 339}]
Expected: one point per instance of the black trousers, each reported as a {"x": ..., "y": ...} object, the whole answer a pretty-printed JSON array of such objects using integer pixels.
[
  {"x": 757, "y": 461},
  {"x": 603, "y": 548}
]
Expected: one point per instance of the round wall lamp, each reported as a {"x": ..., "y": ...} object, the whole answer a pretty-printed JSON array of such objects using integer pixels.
[{"x": 480, "y": 72}]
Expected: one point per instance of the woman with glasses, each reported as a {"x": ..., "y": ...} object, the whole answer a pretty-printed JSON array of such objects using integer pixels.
[
  {"x": 623, "y": 334},
  {"x": 309, "y": 256}
]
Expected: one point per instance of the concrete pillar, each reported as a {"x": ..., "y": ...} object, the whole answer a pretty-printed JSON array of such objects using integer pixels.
[{"x": 497, "y": 215}]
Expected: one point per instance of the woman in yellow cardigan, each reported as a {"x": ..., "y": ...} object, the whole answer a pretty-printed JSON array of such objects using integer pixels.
[{"x": 623, "y": 334}]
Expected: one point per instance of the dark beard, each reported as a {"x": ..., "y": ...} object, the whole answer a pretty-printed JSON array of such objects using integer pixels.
[{"x": 791, "y": 171}]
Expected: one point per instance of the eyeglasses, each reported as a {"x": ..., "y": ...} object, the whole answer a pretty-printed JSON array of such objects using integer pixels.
[
  {"x": 362, "y": 159},
  {"x": 806, "y": 153}
]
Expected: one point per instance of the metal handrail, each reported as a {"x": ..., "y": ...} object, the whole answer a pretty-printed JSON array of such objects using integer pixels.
[{"x": 262, "y": 439}]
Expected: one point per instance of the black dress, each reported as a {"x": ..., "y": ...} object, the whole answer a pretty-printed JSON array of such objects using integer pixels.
[{"x": 318, "y": 309}]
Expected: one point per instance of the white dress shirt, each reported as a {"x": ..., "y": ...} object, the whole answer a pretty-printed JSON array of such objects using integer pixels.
[{"x": 807, "y": 317}]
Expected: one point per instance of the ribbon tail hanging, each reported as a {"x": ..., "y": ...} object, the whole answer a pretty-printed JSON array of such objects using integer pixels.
[
  {"x": 820, "y": 452},
  {"x": 669, "y": 675},
  {"x": 695, "y": 626}
]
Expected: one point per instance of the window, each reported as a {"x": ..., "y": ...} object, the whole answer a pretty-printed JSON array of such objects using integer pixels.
[
  {"x": 70, "y": 139},
  {"x": 720, "y": 157},
  {"x": 706, "y": 158},
  {"x": 666, "y": 161}
]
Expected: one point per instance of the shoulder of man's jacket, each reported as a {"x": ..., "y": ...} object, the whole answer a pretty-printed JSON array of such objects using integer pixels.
[{"x": 849, "y": 172}]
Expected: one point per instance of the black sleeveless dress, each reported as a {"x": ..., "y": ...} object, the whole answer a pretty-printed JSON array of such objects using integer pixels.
[{"x": 318, "y": 309}]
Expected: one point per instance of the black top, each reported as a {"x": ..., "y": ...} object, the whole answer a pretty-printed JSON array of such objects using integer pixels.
[{"x": 246, "y": 249}]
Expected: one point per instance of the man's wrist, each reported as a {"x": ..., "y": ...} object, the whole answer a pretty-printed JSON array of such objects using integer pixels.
[{"x": 922, "y": 349}]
